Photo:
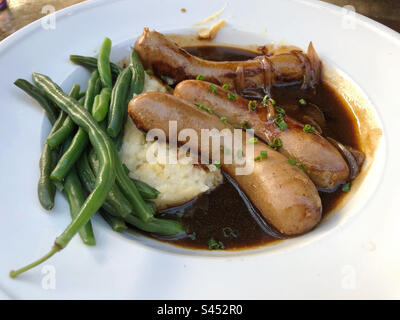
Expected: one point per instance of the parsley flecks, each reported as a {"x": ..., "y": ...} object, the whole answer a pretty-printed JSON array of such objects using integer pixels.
[
  {"x": 223, "y": 119},
  {"x": 200, "y": 77},
  {"x": 225, "y": 86}
]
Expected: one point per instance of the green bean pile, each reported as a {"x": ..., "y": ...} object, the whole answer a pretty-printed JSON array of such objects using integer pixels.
[{"x": 80, "y": 156}]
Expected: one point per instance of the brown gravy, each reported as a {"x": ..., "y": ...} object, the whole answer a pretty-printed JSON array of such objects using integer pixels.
[{"x": 222, "y": 214}]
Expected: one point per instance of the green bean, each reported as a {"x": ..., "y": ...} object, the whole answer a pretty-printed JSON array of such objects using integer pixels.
[
  {"x": 68, "y": 126},
  {"x": 101, "y": 104},
  {"x": 59, "y": 136},
  {"x": 152, "y": 206},
  {"x": 118, "y": 104},
  {"x": 40, "y": 97},
  {"x": 161, "y": 226},
  {"x": 115, "y": 198},
  {"x": 105, "y": 152},
  {"x": 82, "y": 94},
  {"x": 103, "y": 63},
  {"x": 137, "y": 82},
  {"x": 116, "y": 223},
  {"x": 48, "y": 159},
  {"x": 80, "y": 140},
  {"x": 130, "y": 191},
  {"x": 94, "y": 87},
  {"x": 69, "y": 158},
  {"x": 91, "y": 64},
  {"x": 74, "y": 194},
  {"x": 146, "y": 191},
  {"x": 88, "y": 180}
]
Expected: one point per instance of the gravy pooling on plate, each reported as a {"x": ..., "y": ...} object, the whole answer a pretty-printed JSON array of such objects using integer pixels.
[{"x": 221, "y": 218}]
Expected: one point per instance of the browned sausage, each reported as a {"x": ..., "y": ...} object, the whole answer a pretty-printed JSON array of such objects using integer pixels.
[
  {"x": 283, "y": 193},
  {"x": 322, "y": 161},
  {"x": 166, "y": 58}
]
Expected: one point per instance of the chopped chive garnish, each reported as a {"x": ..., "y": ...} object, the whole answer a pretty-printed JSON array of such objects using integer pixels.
[
  {"x": 276, "y": 143},
  {"x": 213, "y": 88},
  {"x": 225, "y": 86},
  {"x": 346, "y": 187},
  {"x": 253, "y": 140},
  {"x": 149, "y": 72},
  {"x": 215, "y": 245},
  {"x": 280, "y": 110},
  {"x": 252, "y": 105},
  {"x": 200, "y": 77},
  {"x": 258, "y": 158},
  {"x": 280, "y": 122},
  {"x": 302, "y": 102},
  {"x": 309, "y": 128},
  {"x": 245, "y": 125},
  {"x": 264, "y": 101},
  {"x": 223, "y": 119},
  {"x": 232, "y": 96},
  {"x": 229, "y": 232},
  {"x": 217, "y": 164},
  {"x": 297, "y": 164},
  {"x": 202, "y": 106},
  {"x": 300, "y": 165},
  {"x": 272, "y": 101},
  {"x": 264, "y": 154},
  {"x": 192, "y": 236}
]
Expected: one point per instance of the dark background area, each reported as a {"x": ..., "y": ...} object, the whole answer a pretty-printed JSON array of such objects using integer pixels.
[{"x": 19, "y": 13}]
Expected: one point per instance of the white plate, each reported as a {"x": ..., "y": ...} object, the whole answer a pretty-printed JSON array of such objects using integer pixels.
[{"x": 353, "y": 254}]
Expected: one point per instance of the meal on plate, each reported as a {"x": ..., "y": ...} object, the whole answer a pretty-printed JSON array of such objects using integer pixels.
[{"x": 206, "y": 146}]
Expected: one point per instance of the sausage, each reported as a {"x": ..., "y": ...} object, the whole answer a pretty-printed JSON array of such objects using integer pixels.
[
  {"x": 283, "y": 194},
  {"x": 166, "y": 58},
  {"x": 322, "y": 161}
]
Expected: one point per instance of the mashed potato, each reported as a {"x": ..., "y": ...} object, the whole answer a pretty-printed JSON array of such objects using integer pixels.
[{"x": 177, "y": 183}]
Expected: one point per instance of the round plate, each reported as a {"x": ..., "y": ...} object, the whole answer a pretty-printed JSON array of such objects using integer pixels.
[{"x": 352, "y": 254}]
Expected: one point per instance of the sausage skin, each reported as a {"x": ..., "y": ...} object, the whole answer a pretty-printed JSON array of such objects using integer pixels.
[
  {"x": 322, "y": 161},
  {"x": 284, "y": 194},
  {"x": 166, "y": 58}
]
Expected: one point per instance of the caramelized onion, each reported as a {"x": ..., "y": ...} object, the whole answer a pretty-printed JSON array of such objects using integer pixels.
[
  {"x": 314, "y": 112},
  {"x": 308, "y": 120},
  {"x": 350, "y": 158}
]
